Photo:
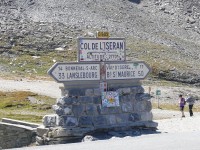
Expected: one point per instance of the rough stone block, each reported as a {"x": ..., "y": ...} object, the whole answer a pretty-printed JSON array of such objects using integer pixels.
[
  {"x": 70, "y": 132},
  {"x": 148, "y": 106},
  {"x": 127, "y": 107},
  {"x": 76, "y": 92},
  {"x": 109, "y": 110},
  {"x": 41, "y": 130},
  {"x": 78, "y": 110},
  {"x": 140, "y": 106},
  {"x": 91, "y": 109},
  {"x": 142, "y": 97},
  {"x": 23, "y": 135},
  {"x": 111, "y": 119},
  {"x": 58, "y": 110},
  {"x": 85, "y": 121},
  {"x": 137, "y": 89},
  {"x": 68, "y": 110},
  {"x": 86, "y": 99},
  {"x": 39, "y": 140},
  {"x": 134, "y": 117},
  {"x": 146, "y": 116},
  {"x": 140, "y": 89},
  {"x": 127, "y": 98},
  {"x": 89, "y": 92},
  {"x": 64, "y": 92},
  {"x": 151, "y": 124},
  {"x": 134, "y": 90},
  {"x": 60, "y": 101},
  {"x": 122, "y": 119},
  {"x": 97, "y": 92},
  {"x": 50, "y": 120},
  {"x": 124, "y": 91},
  {"x": 67, "y": 101},
  {"x": 71, "y": 100},
  {"x": 97, "y": 100},
  {"x": 143, "y": 106},
  {"x": 100, "y": 121},
  {"x": 70, "y": 121}
]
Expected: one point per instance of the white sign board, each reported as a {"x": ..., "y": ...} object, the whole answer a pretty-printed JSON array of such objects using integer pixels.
[
  {"x": 63, "y": 72},
  {"x": 101, "y": 49},
  {"x": 127, "y": 70}
]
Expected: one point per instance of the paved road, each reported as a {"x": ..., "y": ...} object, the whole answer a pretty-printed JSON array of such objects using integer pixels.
[{"x": 164, "y": 141}]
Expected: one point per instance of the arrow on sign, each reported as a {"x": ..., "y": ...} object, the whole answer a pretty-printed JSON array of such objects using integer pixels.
[
  {"x": 127, "y": 70},
  {"x": 63, "y": 72}
]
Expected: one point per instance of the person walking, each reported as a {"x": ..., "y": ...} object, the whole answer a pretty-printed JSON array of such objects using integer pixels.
[
  {"x": 190, "y": 100},
  {"x": 182, "y": 104}
]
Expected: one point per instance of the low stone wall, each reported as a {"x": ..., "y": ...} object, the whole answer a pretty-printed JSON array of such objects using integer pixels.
[
  {"x": 81, "y": 112},
  {"x": 16, "y": 133}
]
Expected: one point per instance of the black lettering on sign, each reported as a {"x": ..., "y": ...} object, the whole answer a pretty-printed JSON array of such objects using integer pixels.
[
  {"x": 67, "y": 68},
  {"x": 82, "y": 75},
  {"x": 125, "y": 74},
  {"x": 109, "y": 67},
  {"x": 94, "y": 46},
  {"x": 93, "y": 68},
  {"x": 61, "y": 76},
  {"x": 140, "y": 73},
  {"x": 60, "y": 68},
  {"x": 114, "y": 74}
]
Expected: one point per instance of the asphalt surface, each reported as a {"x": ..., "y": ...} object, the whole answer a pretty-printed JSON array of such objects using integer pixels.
[{"x": 164, "y": 141}]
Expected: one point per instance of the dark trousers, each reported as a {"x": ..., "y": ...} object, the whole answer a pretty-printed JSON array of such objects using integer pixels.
[{"x": 190, "y": 110}]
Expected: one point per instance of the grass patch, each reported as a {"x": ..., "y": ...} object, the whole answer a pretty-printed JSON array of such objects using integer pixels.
[
  {"x": 28, "y": 64},
  {"x": 174, "y": 107},
  {"x": 160, "y": 57},
  {"x": 25, "y": 106}
]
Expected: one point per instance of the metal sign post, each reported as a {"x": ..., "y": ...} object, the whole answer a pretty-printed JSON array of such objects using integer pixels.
[{"x": 158, "y": 93}]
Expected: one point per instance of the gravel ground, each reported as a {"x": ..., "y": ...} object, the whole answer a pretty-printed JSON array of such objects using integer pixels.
[
  {"x": 48, "y": 88},
  {"x": 165, "y": 31},
  {"x": 174, "y": 125}
]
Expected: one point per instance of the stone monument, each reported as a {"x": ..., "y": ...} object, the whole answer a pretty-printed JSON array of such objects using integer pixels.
[{"x": 102, "y": 92}]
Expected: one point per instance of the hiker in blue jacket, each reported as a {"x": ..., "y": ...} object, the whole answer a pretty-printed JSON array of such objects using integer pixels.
[{"x": 190, "y": 100}]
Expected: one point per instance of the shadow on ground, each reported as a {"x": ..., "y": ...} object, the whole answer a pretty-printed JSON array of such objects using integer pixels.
[
  {"x": 135, "y": 1},
  {"x": 119, "y": 134}
]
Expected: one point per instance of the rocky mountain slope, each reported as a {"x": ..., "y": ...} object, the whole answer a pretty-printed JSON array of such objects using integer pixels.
[{"x": 164, "y": 33}]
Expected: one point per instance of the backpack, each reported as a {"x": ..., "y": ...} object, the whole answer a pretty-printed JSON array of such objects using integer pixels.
[{"x": 183, "y": 100}]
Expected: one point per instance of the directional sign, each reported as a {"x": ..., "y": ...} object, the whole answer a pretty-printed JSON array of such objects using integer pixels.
[
  {"x": 63, "y": 72},
  {"x": 127, "y": 70},
  {"x": 101, "y": 49}
]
